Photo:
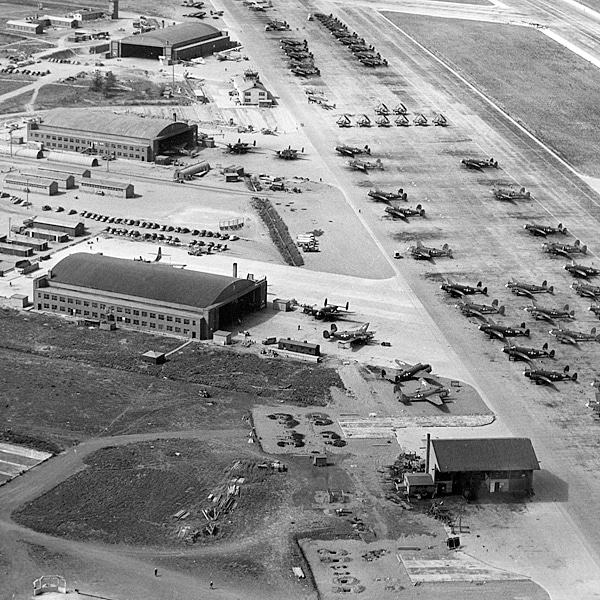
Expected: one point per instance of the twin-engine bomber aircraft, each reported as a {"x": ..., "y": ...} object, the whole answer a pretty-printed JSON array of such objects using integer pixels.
[
  {"x": 549, "y": 377},
  {"x": 494, "y": 330},
  {"x": 471, "y": 309},
  {"x": 528, "y": 289},
  {"x": 524, "y": 353},
  {"x": 460, "y": 289},
  {"x": 431, "y": 390},
  {"x": 586, "y": 290},
  {"x": 549, "y": 314},
  {"x": 564, "y": 249},
  {"x": 512, "y": 195},
  {"x": 380, "y": 196},
  {"x": 581, "y": 270},
  {"x": 420, "y": 252},
  {"x": 327, "y": 312},
  {"x": 406, "y": 372},
  {"x": 365, "y": 165},
  {"x": 544, "y": 230},
  {"x": 362, "y": 335},
  {"x": 352, "y": 151},
  {"x": 479, "y": 164},
  {"x": 568, "y": 336},
  {"x": 401, "y": 212}
]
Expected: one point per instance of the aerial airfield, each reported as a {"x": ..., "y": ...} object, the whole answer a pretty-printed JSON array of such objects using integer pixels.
[{"x": 392, "y": 256}]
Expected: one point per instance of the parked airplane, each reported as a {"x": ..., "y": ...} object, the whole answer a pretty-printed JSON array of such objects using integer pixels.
[
  {"x": 511, "y": 195},
  {"x": 568, "y": 336},
  {"x": 156, "y": 258},
  {"x": 383, "y": 121},
  {"x": 240, "y": 147},
  {"x": 327, "y": 312},
  {"x": 289, "y": 153},
  {"x": 525, "y": 353},
  {"x": 344, "y": 121},
  {"x": 471, "y": 309},
  {"x": 420, "y": 252},
  {"x": 400, "y": 212},
  {"x": 382, "y": 109},
  {"x": 421, "y": 120},
  {"x": 363, "y": 121},
  {"x": 401, "y": 121},
  {"x": 564, "y": 249},
  {"x": 380, "y": 196},
  {"x": 459, "y": 289},
  {"x": 549, "y": 377},
  {"x": 407, "y": 372},
  {"x": 544, "y": 230},
  {"x": 352, "y": 150},
  {"x": 400, "y": 109},
  {"x": 586, "y": 290},
  {"x": 528, "y": 289},
  {"x": 365, "y": 165},
  {"x": 581, "y": 270},
  {"x": 440, "y": 120},
  {"x": 549, "y": 314},
  {"x": 494, "y": 330},
  {"x": 362, "y": 335},
  {"x": 479, "y": 164},
  {"x": 432, "y": 391}
]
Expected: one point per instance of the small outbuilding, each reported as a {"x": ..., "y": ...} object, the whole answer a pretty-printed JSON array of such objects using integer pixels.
[
  {"x": 222, "y": 337},
  {"x": 419, "y": 484},
  {"x": 156, "y": 358}
]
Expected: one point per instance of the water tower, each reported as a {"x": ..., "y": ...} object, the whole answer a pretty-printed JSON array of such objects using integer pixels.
[{"x": 113, "y": 9}]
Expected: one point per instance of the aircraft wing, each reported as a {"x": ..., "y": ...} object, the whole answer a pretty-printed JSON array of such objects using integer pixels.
[
  {"x": 496, "y": 334},
  {"x": 436, "y": 400},
  {"x": 579, "y": 272},
  {"x": 521, "y": 355},
  {"x": 523, "y": 292},
  {"x": 544, "y": 379},
  {"x": 568, "y": 338},
  {"x": 543, "y": 315}
]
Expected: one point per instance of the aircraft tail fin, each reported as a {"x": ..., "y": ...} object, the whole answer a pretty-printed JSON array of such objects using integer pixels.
[
  {"x": 566, "y": 369},
  {"x": 501, "y": 310},
  {"x": 333, "y": 328},
  {"x": 574, "y": 377},
  {"x": 484, "y": 291},
  {"x": 419, "y": 244},
  {"x": 551, "y": 289},
  {"x": 551, "y": 353},
  {"x": 326, "y": 334},
  {"x": 495, "y": 303},
  {"x": 545, "y": 346},
  {"x": 584, "y": 249}
]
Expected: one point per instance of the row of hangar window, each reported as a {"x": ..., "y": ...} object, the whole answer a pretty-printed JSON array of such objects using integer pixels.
[
  {"x": 76, "y": 144},
  {"x": 119, "y": 309},
  {"x": 127, "y": 320}
]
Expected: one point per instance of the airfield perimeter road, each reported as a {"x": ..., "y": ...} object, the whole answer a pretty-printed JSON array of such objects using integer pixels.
[{"x": 489, "y": 243}]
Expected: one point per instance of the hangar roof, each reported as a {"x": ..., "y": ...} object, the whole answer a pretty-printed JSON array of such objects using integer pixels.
[
  {"x": 174, "y": 35},
  {"x": 152, "y": 281},
  {"x": 485, "y": 454},
  {"x": 109, "y": 123}
]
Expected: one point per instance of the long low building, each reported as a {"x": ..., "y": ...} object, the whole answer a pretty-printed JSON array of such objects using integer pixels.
[
  {"x": 73, "y": 131},
  {"x": 72, "y": 228},
  {"x": 106, "y": 188},
  {"x": 148, "y": 296},
  {"x": 63, "y": 180},
  {"x": 40, "y": 185}
]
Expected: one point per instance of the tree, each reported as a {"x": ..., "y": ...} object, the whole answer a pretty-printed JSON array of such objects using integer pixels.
[
  {"x": 97, "y": 83},
  {"x": 110, "y": 81}
]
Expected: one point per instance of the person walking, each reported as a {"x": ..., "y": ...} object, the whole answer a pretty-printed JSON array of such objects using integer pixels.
[
  {"x": 211, "y": 585},
  {"x": 155, "y": 572}
]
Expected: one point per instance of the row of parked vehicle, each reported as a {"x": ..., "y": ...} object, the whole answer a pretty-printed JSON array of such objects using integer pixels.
[
  {"x": 152, "y": 225},
  {"x": 64, "y": 60},
  {"x": 14, "y": 71}
]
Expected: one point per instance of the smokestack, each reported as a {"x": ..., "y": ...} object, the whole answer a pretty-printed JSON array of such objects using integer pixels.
[
  {"x": 235, "y": 269},
  {"x": 427, "y": 452},
  {"x": 174, "y": 116}
]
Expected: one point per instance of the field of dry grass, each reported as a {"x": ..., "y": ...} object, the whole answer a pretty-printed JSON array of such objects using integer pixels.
[{"x": 553, "y": 93}]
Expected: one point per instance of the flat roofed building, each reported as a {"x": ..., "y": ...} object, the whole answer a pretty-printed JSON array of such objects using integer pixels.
[
  {"x": 88, "y": 14},
  {"x": 107, "y": 188},
  {"x": 178, "y": 42},
  {"x": 105, "y": 133},
  {"x": 77, "y": 173},
  {"x": 64, "y": 181},
  {"x": 40, "y": 185},
  {"x": 150, "y": 296},
  {"x": 72, "y": 228},
  {"x": 25, "y": 26},
  {"x": 50, "y": 20},
  {"x": 483, "y": 465}
]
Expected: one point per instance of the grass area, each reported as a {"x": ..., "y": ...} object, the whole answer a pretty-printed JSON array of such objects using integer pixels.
[
  {"x": 102, "y": 503},
  {"x": 9, "y": 38},
  {"x": 9, "y": 84},
  {"x": 549, "y": 89},
  {"x": 131, "y": 92},
  {"x": 95, "y": 383},
  {"x": 16, "y": 104}
]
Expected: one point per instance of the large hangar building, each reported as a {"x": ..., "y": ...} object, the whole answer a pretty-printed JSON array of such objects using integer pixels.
[
  {"x": 148, "y": 296},
  {"x": 178, "y": 42},
  {"x": 108, "y": 134}
]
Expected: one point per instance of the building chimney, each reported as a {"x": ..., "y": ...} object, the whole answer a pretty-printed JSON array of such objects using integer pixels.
[
  {"x": 235, "y": 270},
  {"x": 174, "y": 115},
  {"x": 427, "y": 452}
]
